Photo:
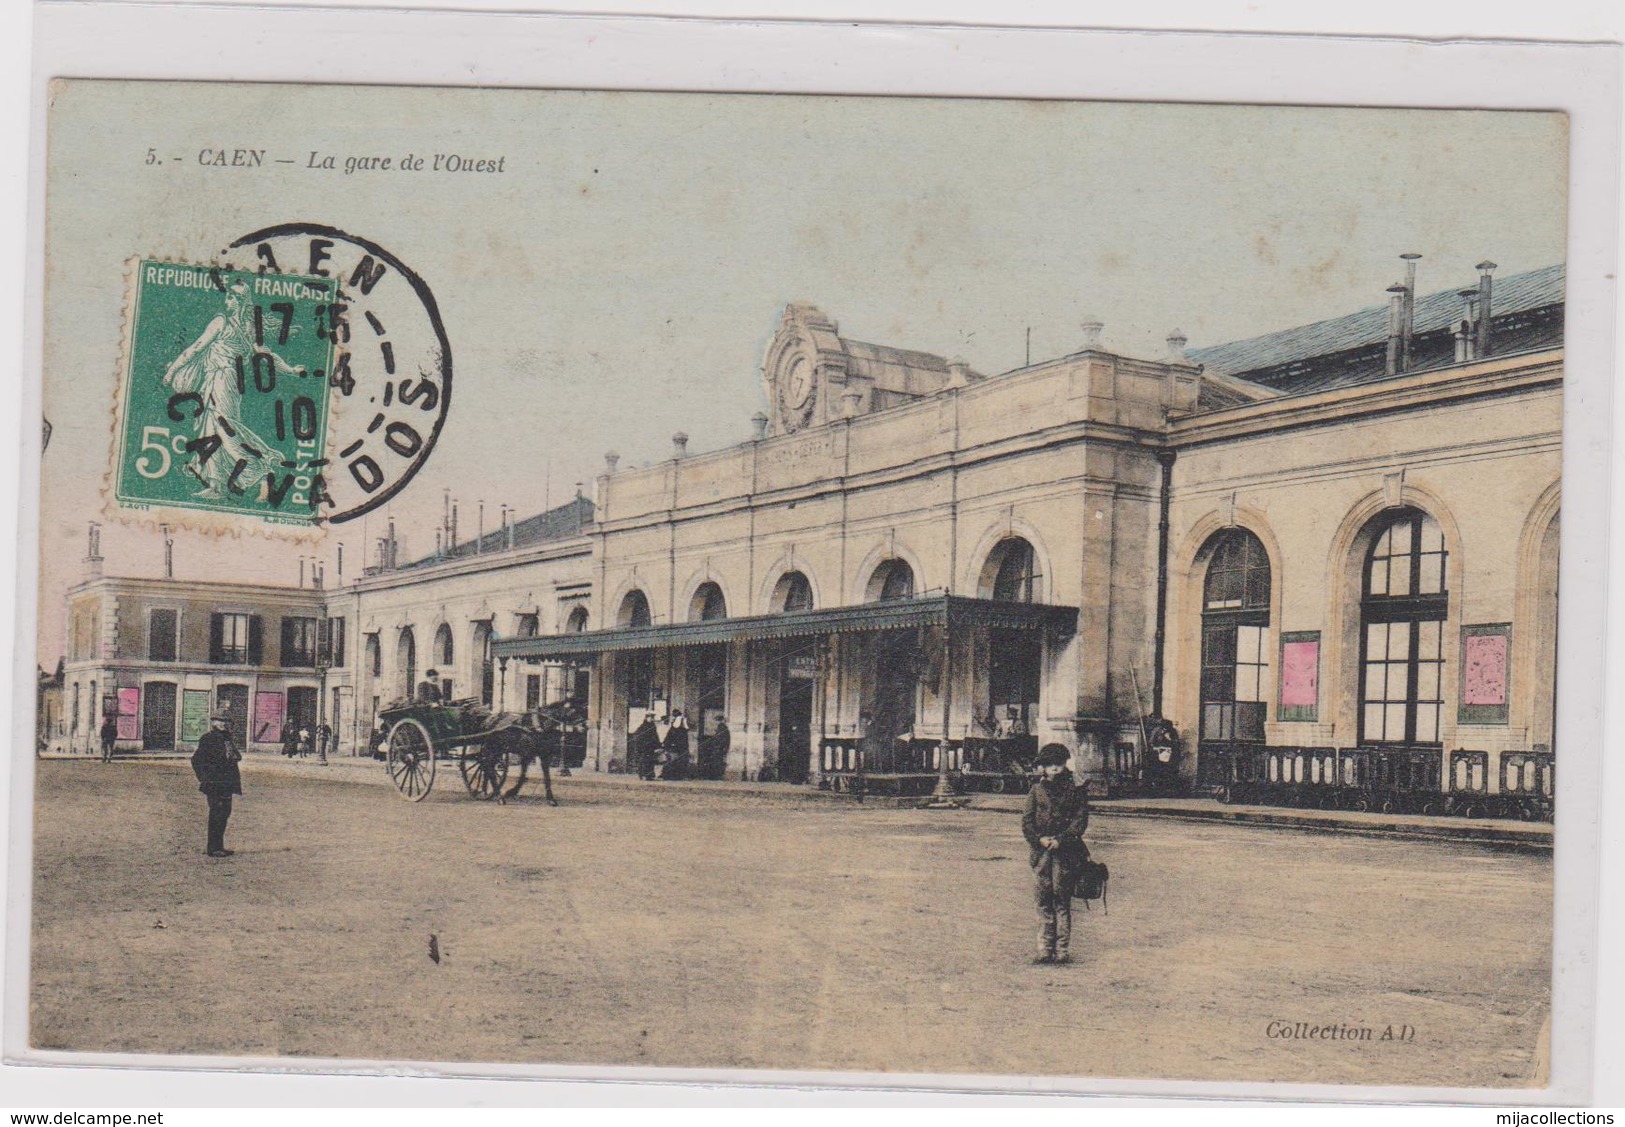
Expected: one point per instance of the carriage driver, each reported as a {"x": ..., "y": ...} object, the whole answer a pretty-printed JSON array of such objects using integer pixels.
[{"x": 429, "y": 690}]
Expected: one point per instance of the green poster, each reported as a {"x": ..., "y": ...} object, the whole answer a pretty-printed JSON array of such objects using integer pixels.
[{"x": 194, "y": 715}]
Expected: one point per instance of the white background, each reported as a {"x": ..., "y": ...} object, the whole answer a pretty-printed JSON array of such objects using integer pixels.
[{"x": 45, "y": 1089}]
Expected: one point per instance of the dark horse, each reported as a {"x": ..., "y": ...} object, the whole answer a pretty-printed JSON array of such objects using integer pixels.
[{"x": 537, "y": 734}]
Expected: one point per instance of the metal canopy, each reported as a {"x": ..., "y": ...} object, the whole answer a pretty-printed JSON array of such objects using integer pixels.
[{"x": 896, "y": 614}]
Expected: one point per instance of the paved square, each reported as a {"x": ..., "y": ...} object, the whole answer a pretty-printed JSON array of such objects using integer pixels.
[{"x": 676, "y": 927}]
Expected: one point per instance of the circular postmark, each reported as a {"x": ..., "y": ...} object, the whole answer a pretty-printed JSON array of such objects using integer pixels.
[{"x": 389, "y": 385}]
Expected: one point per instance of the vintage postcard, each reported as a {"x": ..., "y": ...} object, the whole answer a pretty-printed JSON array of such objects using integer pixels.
[{"x": 839, "y": 585}]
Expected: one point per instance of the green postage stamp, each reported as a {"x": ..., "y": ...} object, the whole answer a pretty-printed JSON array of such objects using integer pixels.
[{"x": 224, "y": 404}]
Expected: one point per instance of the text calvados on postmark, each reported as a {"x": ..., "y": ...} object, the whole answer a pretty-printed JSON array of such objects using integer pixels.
[{"x": 225, "y": 394}]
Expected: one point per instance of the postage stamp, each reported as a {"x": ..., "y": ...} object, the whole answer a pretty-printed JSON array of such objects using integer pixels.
[
  {"x": 225, "y": 397},
  {"x": 251, "y": 392}
]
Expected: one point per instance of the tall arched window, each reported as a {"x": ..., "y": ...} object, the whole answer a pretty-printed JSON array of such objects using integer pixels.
[
  {"x": 406, "y": 660},
  {"x": 1015, "y": 570},
  {"x": 486, "y": 667},
  {"x": 529, "y": 625},
  {"x": 375, "y": 656},
  {"x": 1236, "y": 646},
  {"x": 577, "y": 622},
  {"x": 708, "y": 604},
  {"x": 792, "y": 593},
  {"x": 1402, "y": 616},
  {"x": 634, "y": 609},
  {"x": 443, "y": 652},
  {"x": 893, "y": 579}
]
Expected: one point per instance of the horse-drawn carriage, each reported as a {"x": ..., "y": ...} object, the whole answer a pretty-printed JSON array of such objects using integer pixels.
[{"x": 479, "y": 741}]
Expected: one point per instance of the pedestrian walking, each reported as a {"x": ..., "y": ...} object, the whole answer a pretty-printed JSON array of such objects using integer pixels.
[
  {"x": 643, "y": 747},
  {"x": 109, "y": 737},
  {"x": 714, "y": 760},
  {"x": 675, "y": 745},
  {"x": 304, "y": 742},
  {"x": 1053, "y": 822},
  {"x": 324, "y": 740},
  {"x": 215, "y": 765},
  {"x": 290, "y": 739}
]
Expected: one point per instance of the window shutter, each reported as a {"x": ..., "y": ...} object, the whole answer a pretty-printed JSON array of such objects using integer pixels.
[
  {"x": 338, "y": 643},
  {"x": 256, "y": 641},
  {"x": 288, "y": 642},
  {"x": 216, "y": 640}
]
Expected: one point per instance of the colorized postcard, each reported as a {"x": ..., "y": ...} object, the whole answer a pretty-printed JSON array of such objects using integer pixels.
[{"x": 858, "y": 586}]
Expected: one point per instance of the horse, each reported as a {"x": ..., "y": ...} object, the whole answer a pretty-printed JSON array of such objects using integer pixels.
[{"x": 537, "y": 734}]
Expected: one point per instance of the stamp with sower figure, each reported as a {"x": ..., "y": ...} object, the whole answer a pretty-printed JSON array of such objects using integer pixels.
[{"x": 295, "y": 394}]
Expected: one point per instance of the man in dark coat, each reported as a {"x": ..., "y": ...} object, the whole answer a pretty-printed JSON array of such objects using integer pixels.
[
  {"x": 1053, "y": 822},
  {"x": 109, "y": 738},
  {"x": 643, "y": 747},
  {"x": 429, "y": 690},
  {"x": 716, "y": 755},
  {"x": 677, "y": 762},
  {"x": 215, "y": 765}
]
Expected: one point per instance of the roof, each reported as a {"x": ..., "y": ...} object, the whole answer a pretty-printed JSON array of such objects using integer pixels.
[
  {"x": 893, "y": 614},
  {"x": 559, "y": 523},
  {"x": 1515, "y": 293}
]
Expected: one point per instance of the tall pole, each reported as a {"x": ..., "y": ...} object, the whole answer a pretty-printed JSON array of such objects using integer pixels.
[{"x": 945, "y": 784}]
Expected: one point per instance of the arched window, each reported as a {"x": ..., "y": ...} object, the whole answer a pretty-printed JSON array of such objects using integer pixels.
[
  {"x": 1402, "y": 616},
  {"x": 707, "y": 604},
  {"x": 529, "y": 625},
  {"x": 577, "y": 622},
  {"x": 634, "y": 609},
  {"x": 792, "y": 593},
  {"x": 486, "y": 667},
  {"x": 443, "y": 652},
  {"x": 893, "y": 579},
  {"x": 1236, "y": 646},
  {"x": 406, "y": 661},
  {"x": 375, "y": 656},
  {"x": 1014, "y": 570}
]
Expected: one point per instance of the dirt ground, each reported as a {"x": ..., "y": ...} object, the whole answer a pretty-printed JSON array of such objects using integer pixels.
[{"x": 670, "y": 927}]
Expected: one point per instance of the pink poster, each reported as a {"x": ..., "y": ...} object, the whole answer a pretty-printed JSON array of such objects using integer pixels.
[
  {"x": 1300, "y": 674},
  {"x": 1486, "y": 672},
  {"x": 267, "y": 718},
  {"x": 129, "y": 714}
]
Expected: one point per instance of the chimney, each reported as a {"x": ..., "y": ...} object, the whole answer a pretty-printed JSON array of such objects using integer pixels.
[
  {"x": 611, "y": 460},
  {"x": 758, "y": 426},
  {"x": 169, "y": 553},
  {"x": 1465, "y": 342},
  {"x": 392, "y": 559},
  {"x": 479, "y": 531},
  {"x": 451, "y": 537},
  {"x": 1177, "y": 340},
  {"x": 1092, "y": 327},
  {"x": 93, "y": 551},
  {"x": 1485, "y": 310},
  {"x": 1396, "y": 327},
  {"x": 679, "y": 445},
  {"x": 1409, "y": 326},
  {"x": 341, "y": 563},
  {"x": 301, "y": 571}
]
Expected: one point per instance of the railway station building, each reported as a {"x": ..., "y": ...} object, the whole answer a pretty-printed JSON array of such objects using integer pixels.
[{"x": 1225, "y": 562}]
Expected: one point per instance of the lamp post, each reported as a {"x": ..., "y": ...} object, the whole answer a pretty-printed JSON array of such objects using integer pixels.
[{"x": 323, "y": 664}]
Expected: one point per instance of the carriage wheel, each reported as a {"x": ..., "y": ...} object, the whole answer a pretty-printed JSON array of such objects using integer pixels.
[
  {"x": 411, "y": 759},
  {"x": 484, "y": 770}
]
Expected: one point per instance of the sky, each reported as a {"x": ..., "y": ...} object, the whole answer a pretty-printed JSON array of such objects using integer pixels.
[{"x": 620, "y": 279}]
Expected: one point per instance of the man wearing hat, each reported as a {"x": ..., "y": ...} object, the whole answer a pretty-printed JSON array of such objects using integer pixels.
[
  {"x": 215, "y": 765},
  {"x": 1053, "y": 822},
  {"x": 429, "y": 690}
]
